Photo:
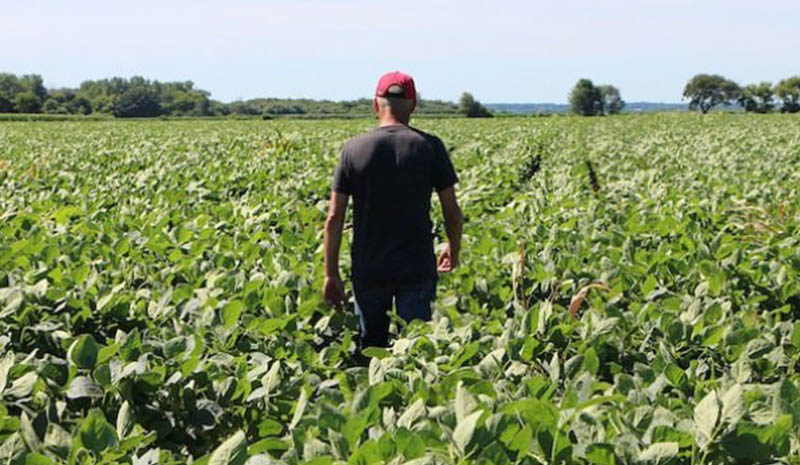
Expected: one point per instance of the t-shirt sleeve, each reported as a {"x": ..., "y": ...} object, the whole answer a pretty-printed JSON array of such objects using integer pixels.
[
  {"x": 444, "y": 175},
  {"x": 342, "y": 178}
]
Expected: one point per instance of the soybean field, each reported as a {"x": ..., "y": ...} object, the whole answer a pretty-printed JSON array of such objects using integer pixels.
[{"x": 629, "y": 293}]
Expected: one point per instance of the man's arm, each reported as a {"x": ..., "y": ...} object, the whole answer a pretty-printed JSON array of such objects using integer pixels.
[
  {"x": 448, "y": 259},
  {"x": 333, "y": 290}
]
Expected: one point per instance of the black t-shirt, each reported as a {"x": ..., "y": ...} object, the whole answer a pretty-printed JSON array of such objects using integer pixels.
[{"x": 391, "y": 173}]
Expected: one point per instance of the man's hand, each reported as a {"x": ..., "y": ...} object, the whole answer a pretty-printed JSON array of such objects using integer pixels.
[
  {"x": 333, "y": 291},
  {"x": 447, "y": 261}
]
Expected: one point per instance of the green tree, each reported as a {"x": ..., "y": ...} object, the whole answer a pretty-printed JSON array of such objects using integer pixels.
[
  {"x": 217, "y": 108},
  {"x": 705, "y": 91},
  {"x": 585, "y": 99},
  {"x": 9, "y": 88},
  {"x": 53, "y": 106},
  {"x": 472, "y": 108},
  {"x": 612, "y": 100},
  {"x": 66, "y": 101},
  {"x": 240, "y": 107},
  {"x": 139, "y": 102},
  {"x": 181, "y": 98},
  {"x": 34, "y": 84},
  {"x": 788, "y": 90},
  {"x": 757, "y": 98},
  {"x": 27, "y": 102}
]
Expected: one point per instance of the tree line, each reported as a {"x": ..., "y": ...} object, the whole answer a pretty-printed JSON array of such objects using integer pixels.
[
  {"x": 140, "y": 97},
  {"x": 363, "y": 106},
  {"x": 134, "y": 97},
  {"x": 705, "y": 91}
]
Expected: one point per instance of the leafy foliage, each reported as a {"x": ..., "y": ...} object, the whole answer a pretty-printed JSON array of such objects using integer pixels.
[
  {"x": 757, "y": 98},
  {"x": 586, "y": 99},
  {"x": 612, "y": 100},
  {"x": 160, "y": 297},
  {"x": 788, "y": 90},
  {"x": 705, "y": 91},
  {"x": 140, "y": 97},
  {"x": 472, "y": 108},
  {"x": 137, "y": 102},
  {"x": 21, "y": 94}
]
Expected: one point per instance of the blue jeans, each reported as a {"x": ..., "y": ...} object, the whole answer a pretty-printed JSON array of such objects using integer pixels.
[{"x": 373, "y": 306}]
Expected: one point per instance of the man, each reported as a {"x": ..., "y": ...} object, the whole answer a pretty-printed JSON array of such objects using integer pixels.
[{"x": 391, "y": 173}]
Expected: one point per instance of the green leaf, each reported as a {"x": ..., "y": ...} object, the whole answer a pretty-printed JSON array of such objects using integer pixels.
[
  {"x": 82, "y": 386},
  {"x": 573, "y": 365},
  {"x": 649, "y": 285},
  {"x": 23, "y": 386},
  {"x": 706, "y": 414},
  {"x": 659, "y": 452},
  {"x": 5, "y": 365},
  {"x": 464, "y": 403},
  {"x": 28, "y": 433},
  {"x": 409, "y": 444},
  {"x": 151, "y": 457},
  {"x": 412, "y": 413},
  {"x": 83, "y": 352},
  {"x": 590, "y": 360},
  {"x": 367, "y": 453},
  {"x": 131, "y": 349},
  {"x": 796, "y": 335},
  {"x": 273, "y": 377},
  {"x": 107, "y": 352},
  {"x": 554, "y": 368},
  {"x": 716, "y": 281},
  {"x": 522, "y": 441},
  {"x": 465, "y": 354},
  {"x": 174, "y": 347},
  {"x": 231, "y": 452},
  {"x": 675, "y": 375},
  {"x": 663, "y": 433},
  {"x": 321, "y": 460},
  {"x": 733, "y": 405},
  {"x": 57, "y": 440},
  {"x": 124, "y": 420},
  {"x": 64, "y": 214},
  {"x": 12, "y": 450},
  {"x": 231, "y": 313},
  {"x": 35, "y": 458},
  {"x": 788, "y": 400},
  {"x": 465, "y": 430},
  {"x": 376, "y": 352},
  {"x": 713, "y": 336},
  {"x": 758, "y": 443},
  {"x": 102, "y": 375},
  {"x": 601, "y": 454},
  {"x": 268, "y": 445},
  {"x": 300, "y": 407},
  {"x": 355, "y": 426},
  {"x": 95, "y": 433}
]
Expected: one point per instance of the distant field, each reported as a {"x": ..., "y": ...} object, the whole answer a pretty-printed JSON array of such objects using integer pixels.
[{"x": 630, "y": 293}]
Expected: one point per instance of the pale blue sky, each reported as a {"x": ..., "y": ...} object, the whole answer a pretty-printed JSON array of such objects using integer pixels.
[{"x": 501, "y": 51}]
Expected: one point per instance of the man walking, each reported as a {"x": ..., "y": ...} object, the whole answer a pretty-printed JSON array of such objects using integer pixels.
[{"x": 391, "y": 173}]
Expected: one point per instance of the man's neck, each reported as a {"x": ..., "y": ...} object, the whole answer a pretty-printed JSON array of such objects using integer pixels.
[{"x": 391, "y": 121}]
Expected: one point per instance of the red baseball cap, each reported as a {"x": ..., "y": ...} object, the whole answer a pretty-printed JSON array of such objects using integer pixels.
[{"x": 396, "y": 84}]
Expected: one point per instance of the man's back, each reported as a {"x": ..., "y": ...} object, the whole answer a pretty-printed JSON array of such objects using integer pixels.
[{"x": 391, "y": 172}]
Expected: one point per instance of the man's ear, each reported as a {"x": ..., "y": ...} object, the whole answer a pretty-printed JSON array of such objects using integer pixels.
[{"x": 375, "y": 104}]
